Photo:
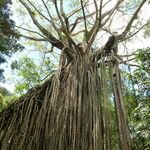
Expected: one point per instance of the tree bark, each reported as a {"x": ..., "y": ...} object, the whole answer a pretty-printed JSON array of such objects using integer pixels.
[
  {"x": 122, "y": 124},
  {"x": 62, "y": 114}
]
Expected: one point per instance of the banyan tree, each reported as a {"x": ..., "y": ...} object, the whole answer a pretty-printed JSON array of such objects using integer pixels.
[{"x": 69, "y": 110}]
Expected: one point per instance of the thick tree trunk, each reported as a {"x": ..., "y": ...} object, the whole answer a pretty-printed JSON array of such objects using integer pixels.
[
  {"x": 62, "y": 114},
  {"x": 65, "y": 113}
]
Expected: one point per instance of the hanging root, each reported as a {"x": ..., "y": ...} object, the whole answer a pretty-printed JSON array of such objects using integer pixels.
[{"x": 62, "y": 114}]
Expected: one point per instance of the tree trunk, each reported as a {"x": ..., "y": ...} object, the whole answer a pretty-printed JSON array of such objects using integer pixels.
[
  {"x": 65, "y": 113},
  {"x": 122, "y": 124},
  {"x": 62, "y": 114}
]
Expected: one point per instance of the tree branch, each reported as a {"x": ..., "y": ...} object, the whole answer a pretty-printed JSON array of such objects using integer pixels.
[
  {"x": 47, "y": 9},
  {"x": 128, "y": 37},
  {"x": 94, "y": 30},
  {"x": 66, "y": 19},
  {"x": 110, "y": 12},
  {"x": 100, "y": 11},
  {"x": 96, "y": 8},
  {"x": 124, "y": 33},
  {"x": 52, "y": 21},
  {"x": 77, "y": 10},
  {"x": 29, "y": 30},
  {"x": 86, "y": 31},
  {"x": 31, "y": 38},
  {"x": 79, "y": 19},
  {"x": 49, "y": 36},
  {"x": 38, "y": 11}
]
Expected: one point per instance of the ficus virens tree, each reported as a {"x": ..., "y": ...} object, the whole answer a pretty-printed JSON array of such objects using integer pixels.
[{"x": 69, "y": 111}]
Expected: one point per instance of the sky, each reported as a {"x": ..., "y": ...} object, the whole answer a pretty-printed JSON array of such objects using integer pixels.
[{"x": 137, "y": 42}]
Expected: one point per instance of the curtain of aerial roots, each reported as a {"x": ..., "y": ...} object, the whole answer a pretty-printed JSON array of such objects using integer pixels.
[{"x": 62, "y": 114}]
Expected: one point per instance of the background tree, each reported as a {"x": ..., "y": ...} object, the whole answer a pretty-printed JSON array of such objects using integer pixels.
[
  {"x": 30, "y": 73},
  {"x": 70, "y": 111},
  {"x": 140, "y": 110},
  {"x": 8, "y": 39}
]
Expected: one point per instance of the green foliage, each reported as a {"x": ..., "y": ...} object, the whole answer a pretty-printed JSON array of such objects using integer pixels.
[
  {"x": 8, "y": 41},
  {"x": 140, "y": 125},
  {"x": 141, "y": 75},
  {"x": 30, "y": 73},
  {"x": 5, "y": 101},
  {"x": 1, "y": 102},
  {"x": 5, "y": 98},
  {"x": 147, "y": 30},
  {"x": 138, "y": 105},
  {"x": 4, "y": 91},
  {"x": 8, "y": 38}
]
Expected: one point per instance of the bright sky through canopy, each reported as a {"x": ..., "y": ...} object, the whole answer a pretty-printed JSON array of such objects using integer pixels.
[{"x": 137, "y": 42}]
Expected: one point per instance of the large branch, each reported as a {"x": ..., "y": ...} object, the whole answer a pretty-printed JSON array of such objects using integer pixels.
[
  {"x": 55, "y": 42},
  {"x": 124, "y": 33}
]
